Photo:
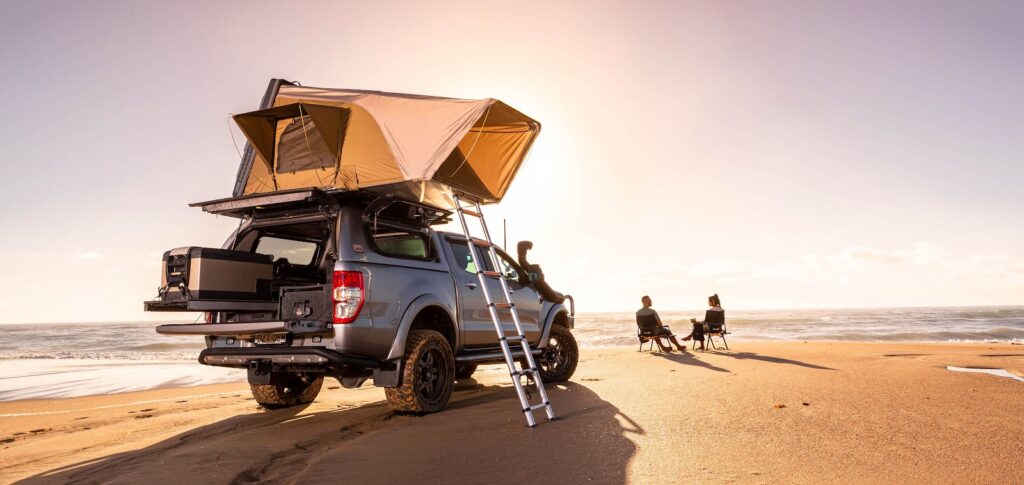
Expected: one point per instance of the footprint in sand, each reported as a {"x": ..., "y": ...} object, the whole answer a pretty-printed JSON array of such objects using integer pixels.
[
  {"x": 83, "y": 417},
  {"x": 6, "y": 440},
  {"x": 143, "y": 416},
  {"x": 592, "y": 379}
]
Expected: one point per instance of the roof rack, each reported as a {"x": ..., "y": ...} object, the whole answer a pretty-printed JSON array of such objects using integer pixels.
[{"x": 392, "y": 207}]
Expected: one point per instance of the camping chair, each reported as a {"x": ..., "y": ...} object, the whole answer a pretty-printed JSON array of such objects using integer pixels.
[
  {"x": 715, "y": 329},
  {"x": 647, "y": 331}
]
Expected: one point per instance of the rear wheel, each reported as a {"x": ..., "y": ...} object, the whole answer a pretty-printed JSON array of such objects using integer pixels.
[
  {"x": 558, "y": 360},
  {"x": 287, "y": 389},
  {"x": 428, "y": 374}
]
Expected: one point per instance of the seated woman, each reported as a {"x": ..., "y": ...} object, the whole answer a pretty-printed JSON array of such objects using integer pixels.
[
  {"x": 658, "y": 329},
  {"x": 714, "y": 315}
]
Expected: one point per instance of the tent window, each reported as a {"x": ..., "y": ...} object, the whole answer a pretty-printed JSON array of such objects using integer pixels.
[{"x": 301, "y": 147}]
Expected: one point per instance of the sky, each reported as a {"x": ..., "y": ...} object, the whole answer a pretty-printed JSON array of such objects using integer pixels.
[{"x": 783, "y": 154}]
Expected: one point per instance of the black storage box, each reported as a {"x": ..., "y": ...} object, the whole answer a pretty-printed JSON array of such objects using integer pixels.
[
  {"x": 193, "y": 273},
  {"x": 306, "y": 303}
]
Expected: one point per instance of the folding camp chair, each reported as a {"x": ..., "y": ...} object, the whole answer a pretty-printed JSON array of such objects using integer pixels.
[
  {"x": 715, "y": 329},
  {"x": 647, "y": 331}
]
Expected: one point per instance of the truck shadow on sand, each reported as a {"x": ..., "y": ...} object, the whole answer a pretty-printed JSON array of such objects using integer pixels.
[{"x": 482, "y": 436}]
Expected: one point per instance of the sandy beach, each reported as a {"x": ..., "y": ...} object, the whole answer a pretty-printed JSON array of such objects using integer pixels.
[{"x": 761, "y": 413}]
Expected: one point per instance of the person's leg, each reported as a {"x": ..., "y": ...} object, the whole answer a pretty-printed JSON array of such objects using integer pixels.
[
  {"x": 662, "y": 345},
  {"x": 699, "y": 337},
  {"x": 679, "y": 346}
]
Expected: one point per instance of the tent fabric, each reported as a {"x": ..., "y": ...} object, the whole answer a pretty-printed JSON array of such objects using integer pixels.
[{"x": 402, "y": 144}]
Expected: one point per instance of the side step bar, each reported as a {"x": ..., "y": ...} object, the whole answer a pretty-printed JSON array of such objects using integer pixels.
[
  {"x": 241, "y": 356},
  {"x": 494, "y": 357}
]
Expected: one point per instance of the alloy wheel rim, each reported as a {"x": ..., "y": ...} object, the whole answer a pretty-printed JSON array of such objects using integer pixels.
[{"x": 430, "y": 372}]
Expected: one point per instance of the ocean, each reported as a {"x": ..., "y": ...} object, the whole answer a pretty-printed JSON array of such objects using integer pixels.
[{"x": 55, "y": 360}]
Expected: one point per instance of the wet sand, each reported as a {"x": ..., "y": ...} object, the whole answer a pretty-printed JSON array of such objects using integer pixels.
[{"x": 761, "y": 413}]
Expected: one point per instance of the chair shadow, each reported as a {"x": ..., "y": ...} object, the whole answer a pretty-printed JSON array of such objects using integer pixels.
[
  {"x": 688, "y": 358},
  {"x": 481, "y": 434},
  {"x": 767, "y": 358}
]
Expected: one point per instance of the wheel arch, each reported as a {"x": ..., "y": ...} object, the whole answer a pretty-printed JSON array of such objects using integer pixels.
[
  {"x": 425, "y": 312},
  {"x": 557, "y": 315}
]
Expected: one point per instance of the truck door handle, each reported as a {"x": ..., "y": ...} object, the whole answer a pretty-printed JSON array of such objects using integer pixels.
[{"x": 471, "y": 286}]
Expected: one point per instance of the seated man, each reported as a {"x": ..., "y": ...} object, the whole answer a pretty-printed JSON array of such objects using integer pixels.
[{"x": 647, "y": 316}]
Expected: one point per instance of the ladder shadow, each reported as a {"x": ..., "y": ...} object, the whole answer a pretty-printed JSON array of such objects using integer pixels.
[{"x": 369, "y": 444}]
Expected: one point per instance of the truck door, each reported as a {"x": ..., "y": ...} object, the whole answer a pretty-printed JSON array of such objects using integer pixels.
[
  {"x": 477, "y": 327},
  {"x": 526, "y": 298}
]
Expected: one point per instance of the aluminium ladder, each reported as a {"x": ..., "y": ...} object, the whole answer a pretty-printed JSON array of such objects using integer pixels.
[{"x": 531, "y": 371}]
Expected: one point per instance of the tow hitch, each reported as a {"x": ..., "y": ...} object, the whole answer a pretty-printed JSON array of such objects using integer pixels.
[{"x": 259, "y": 371}]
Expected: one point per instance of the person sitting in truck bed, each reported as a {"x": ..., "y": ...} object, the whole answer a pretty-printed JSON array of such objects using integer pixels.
[{"x": 662, "y": 331}]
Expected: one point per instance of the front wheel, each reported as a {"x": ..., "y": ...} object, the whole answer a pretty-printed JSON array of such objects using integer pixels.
[
  {"x": 287, "y": 389},
  {"x": 428, "y": 374},
  {"x": 558, "y": 360}
]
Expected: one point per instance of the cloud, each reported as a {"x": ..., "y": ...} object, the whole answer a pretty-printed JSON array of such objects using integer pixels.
[{"x": 922, "y": 254}]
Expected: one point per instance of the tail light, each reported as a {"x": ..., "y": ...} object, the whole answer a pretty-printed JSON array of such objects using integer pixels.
[
  {"x": 348, "y": 294},
  {"x": 208, "y": 317}
]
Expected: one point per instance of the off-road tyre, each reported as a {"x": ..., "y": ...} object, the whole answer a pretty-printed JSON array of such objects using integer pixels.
[
  {"x": 464, "y": 371},
  {"x": 428, "y": 375},
  {"x": 287, "y": 389},
  {"x": 558, "y": 361}
]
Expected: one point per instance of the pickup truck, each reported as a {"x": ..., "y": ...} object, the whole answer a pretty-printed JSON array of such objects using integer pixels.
[{"x": 353, "y": 286}]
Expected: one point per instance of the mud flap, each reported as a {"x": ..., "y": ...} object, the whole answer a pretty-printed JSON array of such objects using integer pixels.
[
  {"x": 259, "y": 371},
  {"x": 386, "y": 377}
]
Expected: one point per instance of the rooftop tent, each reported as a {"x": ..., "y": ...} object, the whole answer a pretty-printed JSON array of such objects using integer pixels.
[{"x": 410, "y": 146}]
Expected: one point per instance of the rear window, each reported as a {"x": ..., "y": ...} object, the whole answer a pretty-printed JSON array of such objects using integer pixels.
[
  {"x": 400, "y": 243},
  {"x": 296, "y": 252}
]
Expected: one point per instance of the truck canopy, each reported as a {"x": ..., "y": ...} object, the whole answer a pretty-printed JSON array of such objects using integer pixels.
[{"x": 408, "y": 146}]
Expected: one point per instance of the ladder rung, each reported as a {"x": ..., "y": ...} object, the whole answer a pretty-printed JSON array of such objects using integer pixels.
[
  {"x": 514, "y": 338},
  {"x": 492, "y": 274},
  {"x": 539, "y": 406},
  {"x": 502, "y": 305},
  {"x": 472, "y": 212},
  {"x": 482, "y": 242},
  {"x": 526, "y": 371}
]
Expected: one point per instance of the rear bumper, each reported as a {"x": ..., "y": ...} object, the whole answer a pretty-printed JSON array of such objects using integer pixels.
[{"x": 241, "y": 356}]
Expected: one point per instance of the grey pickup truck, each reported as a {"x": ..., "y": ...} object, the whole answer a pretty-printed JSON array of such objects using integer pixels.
[{"x": 351, "y": 285}]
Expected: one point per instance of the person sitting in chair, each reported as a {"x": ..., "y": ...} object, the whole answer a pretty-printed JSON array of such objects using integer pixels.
[
  {"x": 714, "y": 317},
  {"x": 648, "y": 314}
]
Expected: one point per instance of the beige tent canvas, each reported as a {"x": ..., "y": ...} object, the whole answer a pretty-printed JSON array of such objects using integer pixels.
[{"x": 419, "y": 147}]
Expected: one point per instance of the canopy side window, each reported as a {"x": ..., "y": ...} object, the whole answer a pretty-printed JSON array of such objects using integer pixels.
[{"x": 399, "y": 242}]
